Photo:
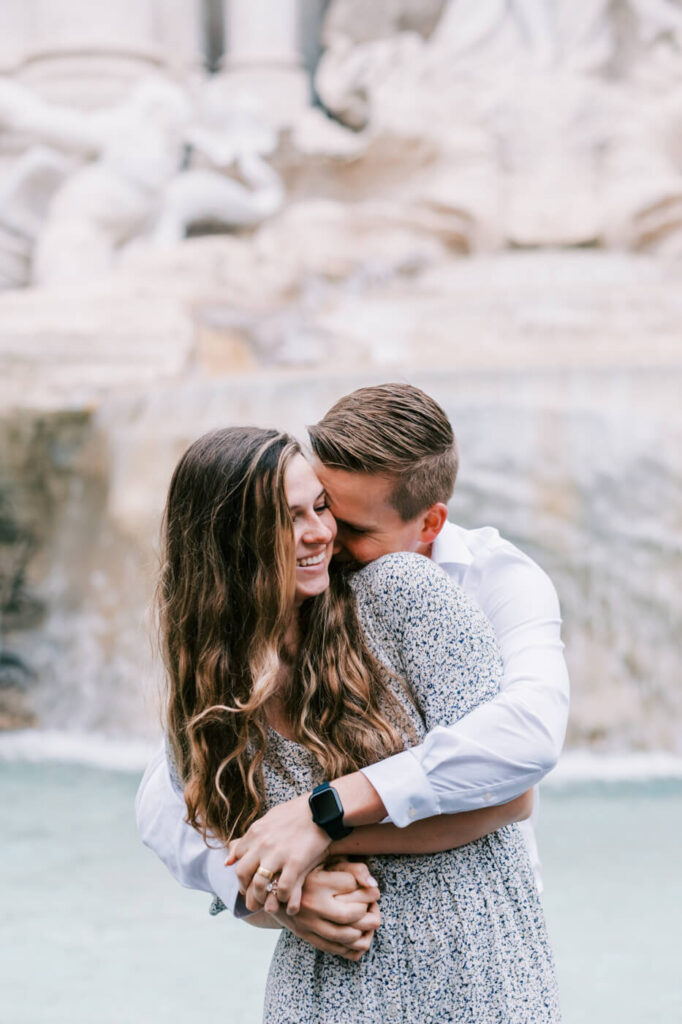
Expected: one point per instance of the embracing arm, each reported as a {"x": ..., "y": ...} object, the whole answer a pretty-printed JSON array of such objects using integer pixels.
[
  {"x": 160, "y": 811},
  {"x": 504, "y": 746},
  {"x": 432, "y": 835}
]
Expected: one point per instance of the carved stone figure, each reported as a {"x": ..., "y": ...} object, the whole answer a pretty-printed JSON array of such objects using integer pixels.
[
  {"x": 129, "y": 181},
  {"x": 536, "y": 123},
  {"x": 24, "y": 199},
  {"x": 204, "y": 197},
  {"x": 361, "y": 22}
]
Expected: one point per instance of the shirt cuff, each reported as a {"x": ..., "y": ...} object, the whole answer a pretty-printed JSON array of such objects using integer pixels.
[
  {"x": 224, "y": 882},
  {"x": 404, "y": 788}
]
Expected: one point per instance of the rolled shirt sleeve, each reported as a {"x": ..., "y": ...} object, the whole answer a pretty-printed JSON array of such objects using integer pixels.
[{"x": 506, "y": 746}]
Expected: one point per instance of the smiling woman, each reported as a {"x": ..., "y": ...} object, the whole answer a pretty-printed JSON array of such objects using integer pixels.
[
  {"x": 314, "y": 528},
  {"x": 246, "y": 629}
]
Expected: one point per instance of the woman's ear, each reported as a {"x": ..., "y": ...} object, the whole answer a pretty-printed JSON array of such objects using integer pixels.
[{"x": 433, "y": 521}]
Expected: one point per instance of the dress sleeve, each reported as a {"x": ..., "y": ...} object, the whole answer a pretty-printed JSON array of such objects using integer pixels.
[{"x": 430, "y": 633}]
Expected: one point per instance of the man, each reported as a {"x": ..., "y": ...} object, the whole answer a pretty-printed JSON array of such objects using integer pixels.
[{"x": 387, "y": 458}]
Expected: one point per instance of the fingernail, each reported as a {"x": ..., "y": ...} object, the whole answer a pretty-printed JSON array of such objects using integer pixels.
[{"x": 373, "y": 881}]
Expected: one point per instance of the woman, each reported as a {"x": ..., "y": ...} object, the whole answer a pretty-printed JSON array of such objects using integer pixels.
[{"x": 284, "y": 675}]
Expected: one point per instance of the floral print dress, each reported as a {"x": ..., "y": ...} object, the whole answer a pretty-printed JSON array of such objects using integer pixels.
[{"x": 463, "y": 937}]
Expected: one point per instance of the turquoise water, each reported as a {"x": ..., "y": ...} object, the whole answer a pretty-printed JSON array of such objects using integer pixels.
[{"x": 93, "y": 930}]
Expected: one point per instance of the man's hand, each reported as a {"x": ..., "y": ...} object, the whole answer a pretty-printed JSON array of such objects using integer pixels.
[
  {"x": 339, "y": 910},
  {"x": 285, "y": 841}
]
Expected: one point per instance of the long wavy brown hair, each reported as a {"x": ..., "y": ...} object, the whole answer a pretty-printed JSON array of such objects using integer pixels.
[{"x": 225, "y": 600}]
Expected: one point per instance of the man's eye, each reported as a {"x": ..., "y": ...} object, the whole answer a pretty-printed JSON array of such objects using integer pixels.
[{"x": 354, "y": 529}]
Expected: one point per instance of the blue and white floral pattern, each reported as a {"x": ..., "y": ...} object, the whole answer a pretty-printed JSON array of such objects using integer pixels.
[{"x": 463, "y": 937}]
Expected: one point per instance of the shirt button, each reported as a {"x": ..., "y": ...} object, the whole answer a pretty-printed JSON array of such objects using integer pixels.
[
  {"x": 411, "y": 812},
  {"x": 488, "y": 798}
]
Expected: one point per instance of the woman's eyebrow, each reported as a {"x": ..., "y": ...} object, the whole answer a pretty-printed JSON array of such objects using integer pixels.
[{"x": 299, "y": 508}]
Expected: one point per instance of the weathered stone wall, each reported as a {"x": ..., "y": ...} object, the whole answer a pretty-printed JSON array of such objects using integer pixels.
[{"x": 561, "y": 373}]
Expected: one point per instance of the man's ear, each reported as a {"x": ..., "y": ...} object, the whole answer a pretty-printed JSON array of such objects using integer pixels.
[{"x": 433, "y": 521}]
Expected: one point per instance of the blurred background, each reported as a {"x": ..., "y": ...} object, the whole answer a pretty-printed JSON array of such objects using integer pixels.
[{"x": 234, "y": 211}]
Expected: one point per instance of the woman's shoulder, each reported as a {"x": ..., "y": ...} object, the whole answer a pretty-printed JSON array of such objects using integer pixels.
[
  {"x": 410, "y": 589},
  {"x": 398, "y": 564},
  {"x": 402, "y": 577}
]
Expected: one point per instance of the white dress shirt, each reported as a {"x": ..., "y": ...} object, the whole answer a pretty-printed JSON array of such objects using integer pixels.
[{"x": 492, "y": 755}]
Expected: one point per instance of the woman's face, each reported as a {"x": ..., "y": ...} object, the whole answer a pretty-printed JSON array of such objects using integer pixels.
[{"x": 314, "y": 528}]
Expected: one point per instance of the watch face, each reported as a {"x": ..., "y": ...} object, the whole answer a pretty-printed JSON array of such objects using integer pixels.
[{"x": 327, "y": 805}]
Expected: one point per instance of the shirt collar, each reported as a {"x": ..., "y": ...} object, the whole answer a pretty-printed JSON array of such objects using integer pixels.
[{"x": 449, "y": 547}]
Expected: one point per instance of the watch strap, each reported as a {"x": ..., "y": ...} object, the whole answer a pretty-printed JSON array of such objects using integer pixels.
[{"x": 333, "y": 826}]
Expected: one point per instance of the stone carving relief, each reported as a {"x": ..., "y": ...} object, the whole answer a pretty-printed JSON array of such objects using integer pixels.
[
  {"x": 510, "y": 123},
  {"x": 541, "y": 123},
  {"x": 89, "y": 167},
  {"x": 94, "y": 181}
]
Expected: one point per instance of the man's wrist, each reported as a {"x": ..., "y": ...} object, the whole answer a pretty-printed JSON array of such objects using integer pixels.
[
  {"x": 223, "y": 882},
  {"x": 361, "y": 802}
]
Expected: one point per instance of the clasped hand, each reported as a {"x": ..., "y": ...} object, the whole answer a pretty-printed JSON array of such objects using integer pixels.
[{"x": 339, "y": 910}]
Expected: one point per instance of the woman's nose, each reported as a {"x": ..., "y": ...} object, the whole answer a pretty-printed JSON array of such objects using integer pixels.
[{"x": 320, "y": 531}]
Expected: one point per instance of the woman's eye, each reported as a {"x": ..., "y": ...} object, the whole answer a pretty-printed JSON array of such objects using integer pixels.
[{"x": 321, "y": 508}]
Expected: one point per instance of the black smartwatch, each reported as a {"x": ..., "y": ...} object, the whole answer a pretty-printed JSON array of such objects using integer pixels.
[{"x": 327, "y": 809}]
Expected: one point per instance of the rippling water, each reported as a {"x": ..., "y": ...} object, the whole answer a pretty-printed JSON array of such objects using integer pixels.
[{"x": 93, "y": 930}]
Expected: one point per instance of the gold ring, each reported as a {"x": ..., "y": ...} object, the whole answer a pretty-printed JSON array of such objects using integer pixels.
[{"x": 265, "y": 873}]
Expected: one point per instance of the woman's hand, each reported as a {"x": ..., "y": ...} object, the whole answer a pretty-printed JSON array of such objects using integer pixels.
[
  {"x": 339, "y": 910},
  {"x": 285, "y": 841}
]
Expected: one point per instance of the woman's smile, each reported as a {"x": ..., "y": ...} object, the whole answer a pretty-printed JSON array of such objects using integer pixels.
[{"x": 311, "y": 561}]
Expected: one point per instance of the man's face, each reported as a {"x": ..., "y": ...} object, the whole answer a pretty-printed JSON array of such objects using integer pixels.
[{"x": 368, "y": 525}]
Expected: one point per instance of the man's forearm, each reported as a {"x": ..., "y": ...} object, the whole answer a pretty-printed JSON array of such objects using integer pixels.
[{"x": 432, "y": 835}]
